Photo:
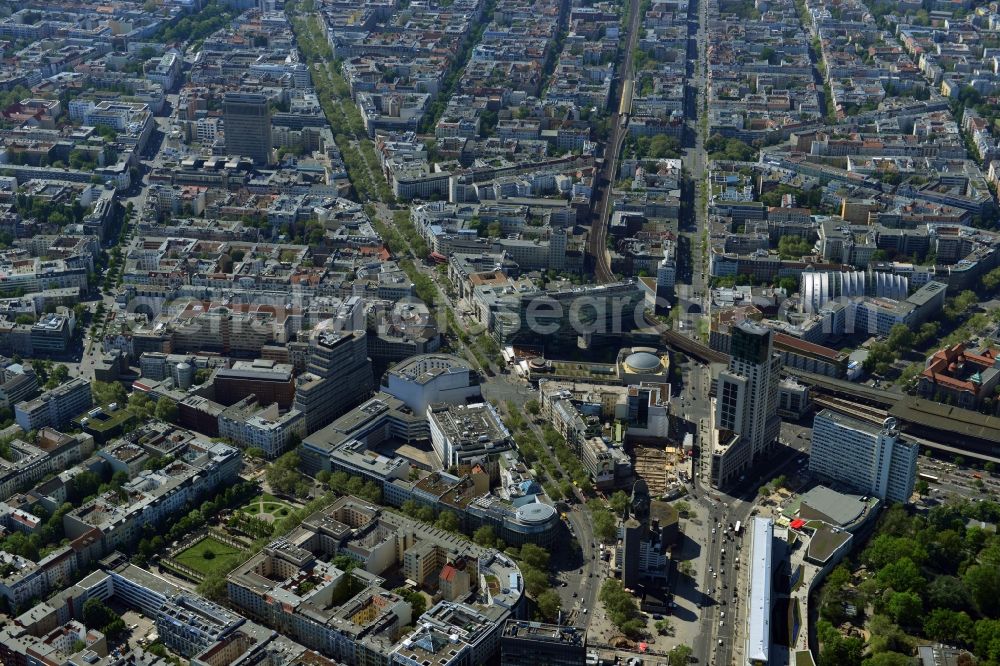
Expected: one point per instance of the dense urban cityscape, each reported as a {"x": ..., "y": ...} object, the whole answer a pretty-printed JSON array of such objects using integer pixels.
[{"x": 514, "y": 332}]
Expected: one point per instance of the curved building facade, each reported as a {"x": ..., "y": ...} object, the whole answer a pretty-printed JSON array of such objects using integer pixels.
[{"x": 820, "y": 287}]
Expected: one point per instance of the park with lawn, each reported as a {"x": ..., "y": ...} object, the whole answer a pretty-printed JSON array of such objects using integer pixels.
[
  {"x": 267, "y": 507},
  {"x": 210, "y": 557}
]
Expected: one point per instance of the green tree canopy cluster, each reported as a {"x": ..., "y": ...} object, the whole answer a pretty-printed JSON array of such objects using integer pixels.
[
  {"x": 622, "y": 608},
  {"x": 930, "y": 577},
  {"x": 721, "y": 148}
]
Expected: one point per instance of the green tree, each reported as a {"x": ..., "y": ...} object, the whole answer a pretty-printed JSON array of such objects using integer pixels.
[
  {"x": 213, "y": 588},
  {"x": 549, "y": 605},
  {"x": 905, "y": 608},
  {"x": 166, "y": 410},
  {"x": 789, "y": 284},
  {"x": 837, "y": 650},
  {"x": 885, "y": 549},
  {"x": 97, "y": 614},
  {"x": 948, "y": 626},
  {"x": 418, "y": 604},
  {"x": 680, "y": 654},
  {"x": 535, "y": 582},
  {"x": 948, "y": 592},
  {"x": 887, "y": 659},
  {"x": 283, "y": 474},
  {"x": 902, "y": 576},
  {"x": 605, "y": 525},
  {"x": 485, "y": 536},
  {"x": 621, "y": 607},
  {"x": 619, "y": 501},
  {"x": 535, "y": 556},
  {"x": 991, "y": 280},
  {"x": 141, "y": 405},
  {"x": 793, "y": 247},
  {"x": 886, "y": 636},
  {"x": 983, "y": 583},
  {"x": 447, "y": 521}
]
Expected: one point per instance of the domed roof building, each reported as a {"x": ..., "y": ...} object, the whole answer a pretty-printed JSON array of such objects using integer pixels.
[{"x": 643, "y": 364}]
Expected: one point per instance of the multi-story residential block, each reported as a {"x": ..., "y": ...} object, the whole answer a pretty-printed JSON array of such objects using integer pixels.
[
  {"x": 349, "y": 615},
  {"x": 252, "y": 427},
  {"x": 52, "y": 452},
  {"x": 152, "y": 496},
  {"x": 17, "y": 383}
]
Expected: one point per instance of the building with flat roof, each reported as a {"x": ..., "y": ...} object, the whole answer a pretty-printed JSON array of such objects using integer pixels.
[
  {"x": 118, "y": 518},
  {"x": 51, "y": 334},
  {"x": 56, "y": 407},
  {"x": 268, "y": 381},
  {"x": 17, "y": 383},
  {"x": 747, "y": 403},
  {"x": 349, "y": 615},
  {"x": 758, "y": 616},
  {"x": 346, "y": 443},
  {"x": 247, "y": 118},
  {"x": 251, "y": 426},
  {"x": 525, "y": 643},
  {"x": 864, "y": 457},
  {"x": 427, "y": 379},
  {"x": 338, "y": 376},
  {"x": 353, "y": 443},
  {"x": 451, "y": 634},
  {"x": 468, "y": 434}
]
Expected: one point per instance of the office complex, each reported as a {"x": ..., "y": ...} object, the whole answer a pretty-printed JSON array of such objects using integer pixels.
[
  {"x": 866, "y": 458},
  {"x": 268, "y": 381},
  {"x": 373, "y": 441},
  {"x": 466, "y": 435},
  {"x": 746, "y": 418},
  {"x": 338, "y": 376},
  {"x": 247, "y": 120},
  {"x": 56, "y": 407},
  {"x": 529, "y": 643}
]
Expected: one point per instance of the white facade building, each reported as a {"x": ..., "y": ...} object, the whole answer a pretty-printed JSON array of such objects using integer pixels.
[
  {"x": 423, "y": 380},
  {"x": 868, "y": 458}
]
